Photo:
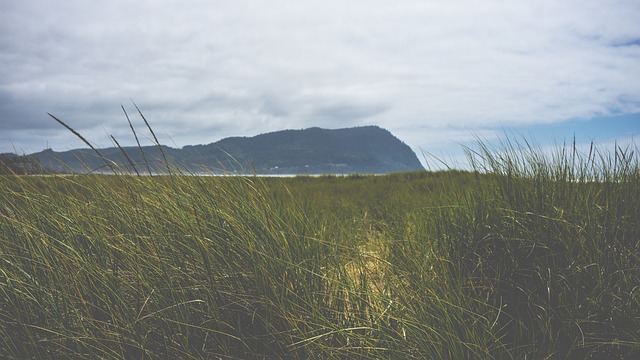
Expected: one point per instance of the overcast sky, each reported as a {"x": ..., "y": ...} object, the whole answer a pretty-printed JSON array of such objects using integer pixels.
[{"x": 435, "y": 73}]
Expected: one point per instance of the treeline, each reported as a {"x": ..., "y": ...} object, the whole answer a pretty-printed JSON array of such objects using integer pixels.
[{"x": 20, "y": 165}]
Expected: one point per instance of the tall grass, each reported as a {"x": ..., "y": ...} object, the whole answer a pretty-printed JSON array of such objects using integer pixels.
[
  {"x": 130, "y": 266},
  {"x": 533, "y": 255},
  {"x": 558, "y": 245}
]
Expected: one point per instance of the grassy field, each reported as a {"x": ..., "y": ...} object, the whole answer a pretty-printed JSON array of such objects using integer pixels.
[{"x": 532, "y": 256}]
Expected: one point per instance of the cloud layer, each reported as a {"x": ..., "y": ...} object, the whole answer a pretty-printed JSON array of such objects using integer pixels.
[{"x": 430, "y": 71}]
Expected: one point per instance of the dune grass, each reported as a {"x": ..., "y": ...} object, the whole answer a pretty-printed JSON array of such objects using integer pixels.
[{"x": 533, "y": 255}]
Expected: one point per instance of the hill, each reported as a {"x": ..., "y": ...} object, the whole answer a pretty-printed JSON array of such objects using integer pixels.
[{"x": 367, "y": 149}]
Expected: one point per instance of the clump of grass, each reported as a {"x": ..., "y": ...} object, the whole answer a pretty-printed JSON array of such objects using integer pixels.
[
  {"x": 556, "y": 241},
  {"x": 140, "y": 266}
]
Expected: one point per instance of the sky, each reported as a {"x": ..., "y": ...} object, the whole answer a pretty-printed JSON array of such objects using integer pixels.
[{"x": 437, "y": 74}]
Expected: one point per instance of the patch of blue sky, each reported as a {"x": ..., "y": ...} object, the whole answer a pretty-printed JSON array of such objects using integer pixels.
[
  {"x": 630, "y": 42},
  {"x": 601, "y": 129},
  {"x": 605, "y": 132}
]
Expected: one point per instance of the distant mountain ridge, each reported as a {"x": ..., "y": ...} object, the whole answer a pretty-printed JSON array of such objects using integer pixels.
[{"x": 366, "y": 149}]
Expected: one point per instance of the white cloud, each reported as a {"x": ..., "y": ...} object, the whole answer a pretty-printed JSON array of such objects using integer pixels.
[{"x": 203, "y": 70}]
